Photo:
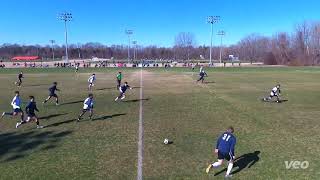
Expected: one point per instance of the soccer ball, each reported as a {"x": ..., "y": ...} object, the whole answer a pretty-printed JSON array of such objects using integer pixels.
[{"x": 166, "y": 141}]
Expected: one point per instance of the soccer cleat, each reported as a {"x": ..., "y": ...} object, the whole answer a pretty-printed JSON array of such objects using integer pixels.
[
  {"x": 116, "y": 99},
  {"x": 57, "y": 104},
  {"x": 39, "y": 127},
  {"x": 3, "y": 114},
  {"x": 227, "y": 176},
  {"x": 208, "y": 168},
  {"x": 123, "y": 97},
  {"x": 78, "y": 120},
  {"x": 17, "y": 125}
]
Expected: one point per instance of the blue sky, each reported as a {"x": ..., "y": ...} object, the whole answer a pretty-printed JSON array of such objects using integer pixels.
[{"x": 155, "y": 22}]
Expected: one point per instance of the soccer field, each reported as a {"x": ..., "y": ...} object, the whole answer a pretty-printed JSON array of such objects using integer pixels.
[{"x": 174, "y": 106}]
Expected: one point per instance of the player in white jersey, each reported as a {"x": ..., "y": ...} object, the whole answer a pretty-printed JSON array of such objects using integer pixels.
[
  {"x": 87, "y": 106},
  {"x": 91, "y": 81},
  {"x": 275, "y": 92},
  {"x": 16, "y": 105}
]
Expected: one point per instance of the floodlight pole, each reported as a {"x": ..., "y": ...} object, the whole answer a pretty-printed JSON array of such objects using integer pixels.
[
  {"x": 134, "y": 49},
  {"x": 66, "y": 17},
  {"x": 79, "y": 54},
  {"x": 129, "y": 33},
  {"x": 221, "y": 34},
  {"x": 212, "y": 20},
  {"x": 52, "y": 47}
]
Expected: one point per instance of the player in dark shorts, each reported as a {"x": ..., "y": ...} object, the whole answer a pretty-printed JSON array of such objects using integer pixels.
[
  {"x": 16, "y": 105},
  {"x": 119, "y": 78},
  {"x": 52, "y": 93},
  {"x": 87, "y": 106},
  {"x": 225, "y": 149},
  {"x": 202, "y": 75},
  {"x": 123, "y": 90},
  {"x": 31, "y": 115},
  {"x": 20, "y": 76}
]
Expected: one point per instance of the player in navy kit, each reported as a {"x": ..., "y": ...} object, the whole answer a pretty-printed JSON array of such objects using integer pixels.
[
  {"x": 225, "y": 149},
  {"x": 52, "y": 93},
  {"x": 87, "y": 106},
  {"x": 20, "y": 76},
  {"x": 202, "y": 74},
  {"x": 123, "y": 90},
  {"x": 30, "y": 110}
]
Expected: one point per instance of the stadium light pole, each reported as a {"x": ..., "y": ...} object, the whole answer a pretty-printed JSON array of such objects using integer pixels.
[
  {"x": 212, "y": 20},
  {"x": 66, "y": 17},
  {"x": 52, "y": 47},
  {"x": 129, "y": 33},
  {"x": 78, "y": 47},
  {"x": 221, "y": 34},
  {"x": 134, "y": 49}
]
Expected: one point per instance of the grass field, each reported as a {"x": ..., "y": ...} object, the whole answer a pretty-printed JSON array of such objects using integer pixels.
[{"x": 175, "y": 107}]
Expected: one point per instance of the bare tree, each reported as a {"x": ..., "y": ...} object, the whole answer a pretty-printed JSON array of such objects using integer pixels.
[{"x": 184, "y": 43}]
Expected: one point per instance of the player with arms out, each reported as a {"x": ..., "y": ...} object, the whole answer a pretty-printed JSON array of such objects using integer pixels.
[
  {"x": 20, "y": 76},
  {"x": 52, "y": 93},
  {"x": 119, "y": 78},
  {"x": 123, "y": 90},
  {"x": 16, "y": 105},
  {"x": 91, "y": 81},
  {"x": 202, "y": 75},
  {"x": 87, "y": 106},
  {"x": 30, "y": 110},
  {"x": 225, "y": 149},
  {"x": 275, "y": 92}
]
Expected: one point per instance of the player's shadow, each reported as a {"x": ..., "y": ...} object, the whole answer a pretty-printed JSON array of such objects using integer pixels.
[
  {"x": 209, "y": 82},
  {"x": 101, "y": 89},
  {"x": 137, "y": 100},
  {"x": 283, "y": 100},
  {"x": 72, "y": 102},
  {"x": 34, "y": 85},
  {"x": 16, "y": 145},
  {"x": 242, "y": 162},
  {"x": 52, "y": 116},
  {"x": 60, "y": 123},
  {"x": 108, "y": 117}
]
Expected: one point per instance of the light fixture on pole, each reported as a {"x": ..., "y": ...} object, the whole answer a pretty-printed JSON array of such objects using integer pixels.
[
  {"x": 129, "y": 33},
  {"x": 66, "y": 17},
  {"x": 52, "y": 47},
  {"x": 212, "y": 20},
  {"x": 221, "y": 34}
]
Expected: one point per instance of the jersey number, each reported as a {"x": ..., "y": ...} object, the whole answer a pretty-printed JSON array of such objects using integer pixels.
[{"x": 226, "y": 137}]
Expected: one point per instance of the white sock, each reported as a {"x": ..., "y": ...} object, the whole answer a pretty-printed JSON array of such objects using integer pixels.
[
  {"x": 230, "y": 165},
  {"x": 216, "y": 165}
]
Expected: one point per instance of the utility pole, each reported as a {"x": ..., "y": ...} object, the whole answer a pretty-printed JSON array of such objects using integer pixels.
[
  {"x": 129, "y": 33},
  {"x": 221, "y": 34},
  {"x": 66, "y": 17},
  {"x": 134, "y": 49},
  {"x": 212, "y": 20},
  {"x": 52, "y": 47}
]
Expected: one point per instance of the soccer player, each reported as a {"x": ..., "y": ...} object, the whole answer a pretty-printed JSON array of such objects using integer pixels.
[
  {"x": 119, "y": 78},
  {"x": 225, "y": 150},
  {"x": 77, "y": 67},
  {"x": 30, "y": 110},
  {"x": 87, "y": 106},
  {"x": 275, "y": 92},
  {"x": 20, "y": 76},
  {"x": 16, "y": 105},
  {"x": 123, "y": 90},
  {"x": 201, "y": 69},
  {"x": 202, "y": 75},
  {"x": 91, "y": 81},
  {"x": 52, "y": 93}
]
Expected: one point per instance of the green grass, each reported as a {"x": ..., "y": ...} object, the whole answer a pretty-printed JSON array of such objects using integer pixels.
[{"x": 175, "y": 107}]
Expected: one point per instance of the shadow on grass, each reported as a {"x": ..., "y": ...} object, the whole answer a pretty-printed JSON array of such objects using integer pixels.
[
  {"x": 108, "y": 117},
  {"x": 60, "y": 123},
  {"x": 19, "y": 145},
  {"x": 52, "y": 116},
  {"x": 72, "y": 102},
  {"x": 210, "y": 82},
  {"x": 34, "y": 85},
  {"x": 101, "y": 89},
  {"x": 242, "y": 162},
  {"x": 137, "y": 100}
]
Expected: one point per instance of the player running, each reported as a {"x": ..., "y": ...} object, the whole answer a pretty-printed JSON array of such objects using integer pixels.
[
  {"x": 87, "y": 106},
  {"x": 20, "y": 76},
  {"x": 202, "y": 74},
  {"x": 225, "y": 150},
  {"x": 52, "y": 93},
  {"x": 275, "y": 92},
  {"x": 30, "y": 110},
  {"x": 77, "y": 68},
  {"x": 91, "y": 81},
  {"x": 123, "y": 90},
  {"x": 16, "y": 105},
  {"x": 119, "y": 78}
]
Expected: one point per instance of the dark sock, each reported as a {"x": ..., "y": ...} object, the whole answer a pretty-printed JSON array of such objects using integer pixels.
[
  {"x": 6, "y": 113},
  {"x": 37, "y": 123}
]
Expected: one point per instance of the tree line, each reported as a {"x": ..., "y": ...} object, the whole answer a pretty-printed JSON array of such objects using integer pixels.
[{"x": 300, "y": 47}]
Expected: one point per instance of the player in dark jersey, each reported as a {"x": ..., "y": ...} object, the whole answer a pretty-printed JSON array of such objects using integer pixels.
[
  {"x": 52, "y": 93},
  {"x": 87, "y": 106},
  {"x": 225, "y": 149},
  {"x": 202, "y": 74},
  {"x": 20, "y": 76},
  {"x": 119, "y": 78},
  {"x": 123, "y": 90},
  {"x": 31, "y": 115}
]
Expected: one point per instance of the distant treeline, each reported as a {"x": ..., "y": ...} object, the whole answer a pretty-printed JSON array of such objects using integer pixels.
[{"x": 301, "y": 47}]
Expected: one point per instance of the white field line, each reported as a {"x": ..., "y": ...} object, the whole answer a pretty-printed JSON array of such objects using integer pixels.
[{"x": 141, "y": 132}]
